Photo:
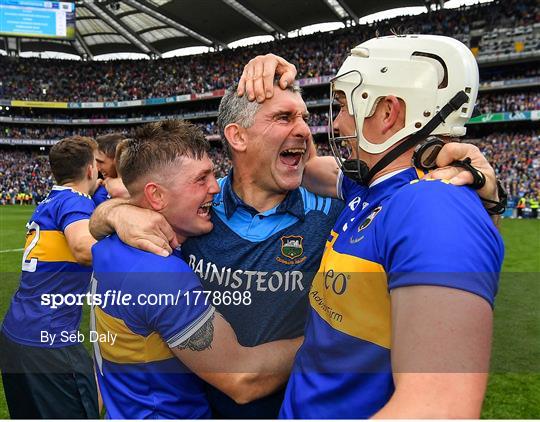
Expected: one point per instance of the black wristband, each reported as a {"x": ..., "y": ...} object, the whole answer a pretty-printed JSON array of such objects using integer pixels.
[
  {"x": 479, "y": 180},
  {"x": 496, "y": 207}
]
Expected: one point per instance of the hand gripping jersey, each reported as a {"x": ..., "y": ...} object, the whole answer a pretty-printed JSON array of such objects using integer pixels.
[
  {"x": 273, "y": 256},
  {"x": 49, "y": 267},
  {"x": 100, "y": 195},
  {"x": 161, "y": 307},
  {"x": 399, "y": 232}
]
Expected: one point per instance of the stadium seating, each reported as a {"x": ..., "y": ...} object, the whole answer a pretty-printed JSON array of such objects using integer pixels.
[
  {"x": 500, "y": 25},
  {"x": 502, "y": 32}
]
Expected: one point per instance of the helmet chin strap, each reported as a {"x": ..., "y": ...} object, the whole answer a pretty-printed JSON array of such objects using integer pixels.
[{"x": 359, "y": 171}]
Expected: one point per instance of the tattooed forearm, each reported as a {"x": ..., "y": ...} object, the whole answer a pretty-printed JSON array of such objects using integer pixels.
[{"x": 201, "y": 339}]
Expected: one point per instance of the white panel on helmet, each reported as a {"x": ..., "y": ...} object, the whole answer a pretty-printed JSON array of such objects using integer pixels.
[{"x": 397, "y": 65}]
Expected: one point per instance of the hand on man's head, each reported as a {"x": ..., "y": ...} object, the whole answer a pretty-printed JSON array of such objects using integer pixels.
[{"x": 257, "y": 80}]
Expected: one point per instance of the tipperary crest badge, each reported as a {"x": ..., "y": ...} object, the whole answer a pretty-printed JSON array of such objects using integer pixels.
[{"x": 291, "y": 246}]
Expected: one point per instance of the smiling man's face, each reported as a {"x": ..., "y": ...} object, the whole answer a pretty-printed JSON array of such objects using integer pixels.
[
  {"x": 105, "y": 164},
  {"x": 278, "y": 141},
  {"x": 188, "y": 194}
]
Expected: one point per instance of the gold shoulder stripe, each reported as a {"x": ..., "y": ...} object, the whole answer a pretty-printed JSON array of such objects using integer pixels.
[
  {"x": 52, "y": 246},
  {"x": 351, "y": 295},
  {"x": 129, "y": 347}
]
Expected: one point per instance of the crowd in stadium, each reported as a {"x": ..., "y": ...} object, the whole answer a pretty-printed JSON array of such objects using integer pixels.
[
  {"x": 508, "y": 102},
  {"x": 515, "y": 157},
  {"x": 26, "y": 178},
  {"x": 315, "y": 55},
  {"x": 496, "y": 74},
  {"x": 487, "y": 103},
  {"x": 59, "y": 132}
]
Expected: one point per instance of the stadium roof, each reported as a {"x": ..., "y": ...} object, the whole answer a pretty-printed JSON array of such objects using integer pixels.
[{"x": 154, "y": 27}]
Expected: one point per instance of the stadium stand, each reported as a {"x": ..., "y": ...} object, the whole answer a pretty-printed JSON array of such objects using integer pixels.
[
  {"x": 491, "y": 30},
  {"x": 504, "y": 36}
]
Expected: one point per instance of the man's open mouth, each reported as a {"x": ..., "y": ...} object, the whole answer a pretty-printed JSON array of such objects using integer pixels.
[
  {"x": 204, "y": 209},
  {"x": 292, "y": 156}
]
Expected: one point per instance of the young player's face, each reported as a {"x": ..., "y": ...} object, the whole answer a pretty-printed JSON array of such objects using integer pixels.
[
  {"x": 106, "y": 165},
  {"x": 189, "y": 194},
  {"x": 278, "y": 141},
  {"x": 344, "y": 123}
]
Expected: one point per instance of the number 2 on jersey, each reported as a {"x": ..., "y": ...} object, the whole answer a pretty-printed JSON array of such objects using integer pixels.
[{"x": 31, "y": 265}]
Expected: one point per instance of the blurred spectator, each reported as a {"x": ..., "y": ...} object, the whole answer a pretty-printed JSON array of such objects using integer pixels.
[
  {"x": 58, "y": 132},
  {"x": 26, "y": 177},
  {"x": 516, "y": 159},
  {"x": 314, "y": 55},
  {"x": 508, "y": 102}
]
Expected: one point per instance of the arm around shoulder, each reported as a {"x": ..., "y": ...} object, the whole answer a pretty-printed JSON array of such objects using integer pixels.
[
  {"x": 103, "y": 220},
  {"x": 138, "y": 227},
  {"x": 321, "y": 176},
  {"x": 243, "y": 373}
]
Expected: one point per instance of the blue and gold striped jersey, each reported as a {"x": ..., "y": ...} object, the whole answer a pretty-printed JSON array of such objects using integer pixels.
[
  {"x": 162, "y": 305},
  {"x": 48, "y": 268},
  {"x": 399, "y": 232}
]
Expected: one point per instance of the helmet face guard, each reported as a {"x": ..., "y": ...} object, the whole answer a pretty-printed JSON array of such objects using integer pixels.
[
  {"x": 436, "y": 77},
  {"x": 344, "y": 147}
]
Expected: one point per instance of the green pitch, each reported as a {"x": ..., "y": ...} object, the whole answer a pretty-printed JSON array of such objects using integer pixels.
[{"x": 514, "y": 386}]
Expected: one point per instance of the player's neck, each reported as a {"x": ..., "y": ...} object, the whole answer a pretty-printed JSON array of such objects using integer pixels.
[
  {"x": 81, "y": 187},
  {"x": 400, "y": 163},
  {"x": 180, "y": 238},
  {"x": 253, "y": 195}
]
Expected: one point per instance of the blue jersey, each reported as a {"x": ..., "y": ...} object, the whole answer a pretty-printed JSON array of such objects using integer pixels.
[
  {"x": 380, "y": 242},
  {"x": 273, "y": 256},
  {"x": 100, "y": 195},
  {"x": 138, "y": 375},
  {"x": 49, "y": 268}
]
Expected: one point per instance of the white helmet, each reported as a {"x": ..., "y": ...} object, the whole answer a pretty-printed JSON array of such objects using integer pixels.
[{"x": 425, "y": 71}]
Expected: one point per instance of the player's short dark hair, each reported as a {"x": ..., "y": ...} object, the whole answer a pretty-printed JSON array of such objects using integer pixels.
[
  {"x": 69, "y": 158},
  {"x": 156, "y": 146},
  {"x": 108, "y": 143}
]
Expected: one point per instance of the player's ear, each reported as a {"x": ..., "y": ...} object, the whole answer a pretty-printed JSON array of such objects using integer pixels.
[
  {"x": 90, "y": 170},
  {"x": 392, "y": 114},
  {"x": 154, "y": 195},
  {"x": 235, "y": 136}
]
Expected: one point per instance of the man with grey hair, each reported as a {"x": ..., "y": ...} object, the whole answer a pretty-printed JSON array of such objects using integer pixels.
[
  {"x": 269, "y": 233},
  {"x": 239, "y": 109}
]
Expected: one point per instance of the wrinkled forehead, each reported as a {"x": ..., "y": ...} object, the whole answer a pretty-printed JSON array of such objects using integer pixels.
[{"x": 284, "y": 100}]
